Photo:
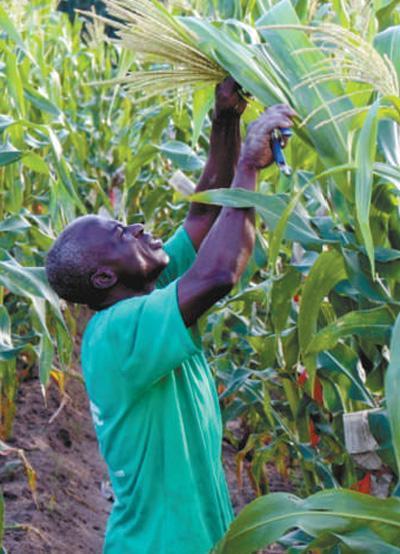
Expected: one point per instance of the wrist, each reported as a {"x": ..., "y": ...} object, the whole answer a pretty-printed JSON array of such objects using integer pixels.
[
  {"x": 225, "y": 117},
  {"x": 247, "y": 166}
]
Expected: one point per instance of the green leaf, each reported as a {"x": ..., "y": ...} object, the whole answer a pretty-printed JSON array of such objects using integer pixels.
[
  {"x": 270, "y": 207},
  {"x": 239, "y": 60},
  {"x": 388, "y": 44},
  {"x": 8, "y": 26},
  {"x": 29, "y": 282},
  {"x": 327, "y": 271},
  {"x": 386, "y": 171},
  {"x": 181, "y": 155},
  {"x": 46, "y": 355},
  {"x": 365, "y": 541},
  {"x": 36, "y": 163},
  {"x": 14, "y": 223},
  {"x": 203, "y": 99},
  {"x": 343, "y": 362},
  {"x": 379, "y": 425},
  {"x": 282, "y": 293},
  {"x": 14, "y": 83},
  {"x": 361, "y": 280},
  {"x": 9, "y": 154},
  {"x": 279, "y": 232},
  {"x": 267, "y": 519},
  {"x": 41, "y": 102},
  {"x": 365, "y": 158},
  {"x": 5, "y": 122},
  {"x": 7, "y": 349},
  {"x": 295, "y": 55},
  {"x": 374, "y": 325},
  {"x": 392, "y": 388}
]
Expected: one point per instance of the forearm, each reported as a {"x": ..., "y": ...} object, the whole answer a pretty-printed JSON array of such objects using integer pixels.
[
  {"x": 221, "y": 163},
  {"x": 226, "y": 249},
  {"x": 229, "y": 244}
]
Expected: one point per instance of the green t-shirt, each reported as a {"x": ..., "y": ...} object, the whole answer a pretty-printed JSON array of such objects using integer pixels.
[{"x": 157, "y": 419}]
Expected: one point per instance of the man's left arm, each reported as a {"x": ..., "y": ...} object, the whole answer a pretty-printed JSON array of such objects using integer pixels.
[{"x": 222, "y": 159}]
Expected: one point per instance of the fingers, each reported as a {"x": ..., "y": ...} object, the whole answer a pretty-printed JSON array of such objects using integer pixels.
[
  {"x": 228, "y": 87},
  {"x": 284, "y": 109},
  {"x": 277, "y": 116},
  {"x": 229, "y": 98},
  {"x": 269, "y": 121}
]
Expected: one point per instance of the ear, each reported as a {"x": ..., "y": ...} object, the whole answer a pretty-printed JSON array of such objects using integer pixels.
[{"x": 104, "y": 278}]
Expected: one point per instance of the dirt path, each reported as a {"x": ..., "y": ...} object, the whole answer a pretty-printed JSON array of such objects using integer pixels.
[{"x": 72, "y": 511}]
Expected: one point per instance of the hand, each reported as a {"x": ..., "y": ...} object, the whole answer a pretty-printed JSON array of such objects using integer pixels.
[
  {"x": 228, "y": 101},
  {"x": 257, "y": 151}
]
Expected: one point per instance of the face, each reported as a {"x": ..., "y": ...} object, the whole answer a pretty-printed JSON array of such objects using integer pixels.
[{"x": 124, "y": 254}]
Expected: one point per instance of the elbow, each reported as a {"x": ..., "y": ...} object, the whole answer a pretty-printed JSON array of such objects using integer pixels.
[{"x": 224, "y": 281}]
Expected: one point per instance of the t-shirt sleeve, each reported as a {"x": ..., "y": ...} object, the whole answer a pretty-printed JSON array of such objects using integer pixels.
[
  {"x": 182, "y": 254},
  {"x": 149, "y": 337}
]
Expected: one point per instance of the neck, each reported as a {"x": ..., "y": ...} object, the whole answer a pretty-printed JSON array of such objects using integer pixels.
[{"x": 121, "y": 292}]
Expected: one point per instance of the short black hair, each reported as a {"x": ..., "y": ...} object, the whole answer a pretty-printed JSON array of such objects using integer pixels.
[{"x": 69, "y": 267}]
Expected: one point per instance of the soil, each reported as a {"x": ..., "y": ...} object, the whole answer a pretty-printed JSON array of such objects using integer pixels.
[{"x": 72, "y": 501}]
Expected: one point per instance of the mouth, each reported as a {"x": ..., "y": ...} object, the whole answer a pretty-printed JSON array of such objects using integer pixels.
[{"x": 154, "y": 243}]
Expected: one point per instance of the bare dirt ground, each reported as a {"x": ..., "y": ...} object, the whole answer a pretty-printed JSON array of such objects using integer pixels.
[{"x": 72, "y": 511}]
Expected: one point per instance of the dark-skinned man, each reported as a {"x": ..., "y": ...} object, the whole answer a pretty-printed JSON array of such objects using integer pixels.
[{"x": 153, "y": 400}]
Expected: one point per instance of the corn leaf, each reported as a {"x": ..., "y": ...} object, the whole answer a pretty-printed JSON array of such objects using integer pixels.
[
  {"x": 295, "y": 54},
  {"x": 343, "y": 362},
  {"x": 392, "y": 388},
  {"x": 9, "y": 154},
  {"x": 270, "y": 207},
  {"x": 8, "y": 26},
  {"x": 327, "y": 271},
  {"x": 365, "y": 158},
  {"x": 46, "y": 355},
  {"x": 268, "y": 518},
  {"x": 388, "y": 44},
  {"x": 239, "y": 60},
  {"x": 374, "y": 325}
]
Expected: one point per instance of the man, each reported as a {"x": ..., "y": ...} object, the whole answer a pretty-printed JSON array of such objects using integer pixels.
[{"x": 153, "y": 399}]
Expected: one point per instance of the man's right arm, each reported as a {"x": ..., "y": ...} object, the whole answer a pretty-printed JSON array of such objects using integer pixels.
[{"x": 227, "y": 248}]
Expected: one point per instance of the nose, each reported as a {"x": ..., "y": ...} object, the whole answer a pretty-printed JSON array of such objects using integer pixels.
[{"x": 136, "y": 229}]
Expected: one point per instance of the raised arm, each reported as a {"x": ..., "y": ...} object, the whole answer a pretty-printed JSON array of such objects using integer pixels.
[
  {"x": 222, "y": 159},
  {"x": 226, "y": 249}
]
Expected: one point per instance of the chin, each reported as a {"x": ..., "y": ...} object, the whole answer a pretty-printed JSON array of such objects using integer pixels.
[{"x": 160, "y": 264}]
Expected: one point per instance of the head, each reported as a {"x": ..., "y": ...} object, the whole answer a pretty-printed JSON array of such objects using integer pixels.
[{"x": 98, "y": 261}]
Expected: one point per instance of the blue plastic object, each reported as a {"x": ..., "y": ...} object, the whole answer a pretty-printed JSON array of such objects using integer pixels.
[{"x": 277, "y": 143}]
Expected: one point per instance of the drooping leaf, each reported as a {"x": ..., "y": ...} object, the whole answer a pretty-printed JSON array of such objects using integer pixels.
[
  {"x": 268, "y": 518},
  {"x": 270, "y": 207},
  {"x": 374, "y": 325},
  {"x": 343, "y": 361}
]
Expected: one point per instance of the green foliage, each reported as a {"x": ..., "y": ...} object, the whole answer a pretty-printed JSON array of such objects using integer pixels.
[{"x": 333, "y": 518}]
